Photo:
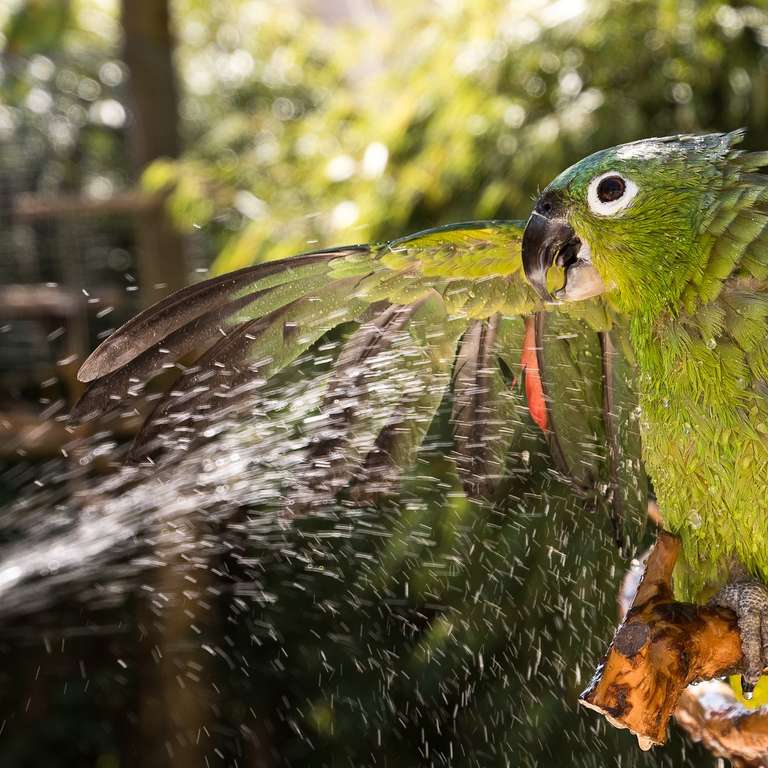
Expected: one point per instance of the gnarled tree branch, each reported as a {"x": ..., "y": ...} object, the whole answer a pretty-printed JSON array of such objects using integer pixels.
[{"x": 658, "y": 650}]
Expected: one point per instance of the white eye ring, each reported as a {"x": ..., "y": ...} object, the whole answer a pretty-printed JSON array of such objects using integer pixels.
[{"x": 612, "y": 207}]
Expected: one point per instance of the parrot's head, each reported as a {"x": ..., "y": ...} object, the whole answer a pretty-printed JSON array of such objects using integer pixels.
[{"x": 629, "y": 220}]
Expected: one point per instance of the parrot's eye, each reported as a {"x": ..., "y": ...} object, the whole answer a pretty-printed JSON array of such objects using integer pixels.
[
  {"x": 610, "y": 188},
  {"x": 610, "y": 193}
]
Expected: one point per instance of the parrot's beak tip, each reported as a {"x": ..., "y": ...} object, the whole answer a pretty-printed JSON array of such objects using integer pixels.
[{"x": 538, "y": 284}]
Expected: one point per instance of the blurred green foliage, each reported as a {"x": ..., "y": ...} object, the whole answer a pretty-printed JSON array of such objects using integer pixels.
[
  {"x": 441, "y": 111},
  {"x": 61, "y": 97}
]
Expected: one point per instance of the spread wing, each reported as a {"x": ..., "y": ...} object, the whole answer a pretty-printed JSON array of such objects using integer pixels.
[{"x": 442, "y": 316}]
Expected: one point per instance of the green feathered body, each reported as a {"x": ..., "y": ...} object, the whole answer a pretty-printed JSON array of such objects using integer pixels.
[
  {"x": 436, "y": 315},
  {"x": 705, "y": 443},
  {"x": 704, "y": 388},
  {"x": 688, "y": 262}
]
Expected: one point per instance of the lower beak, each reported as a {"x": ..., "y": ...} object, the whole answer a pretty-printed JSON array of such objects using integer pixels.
[{"x": 552, "y": 241}]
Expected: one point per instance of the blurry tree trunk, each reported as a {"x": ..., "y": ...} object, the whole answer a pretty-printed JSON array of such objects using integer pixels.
[
  {"x": 153, "y": 133},
  {"x": 171, "y": 714}
]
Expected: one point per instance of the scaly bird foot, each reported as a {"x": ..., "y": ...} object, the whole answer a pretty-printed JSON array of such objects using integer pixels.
[{"x": 749, "y": 601}]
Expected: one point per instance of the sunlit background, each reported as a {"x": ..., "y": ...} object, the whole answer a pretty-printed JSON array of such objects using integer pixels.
[{"x": 142, "y": 147}]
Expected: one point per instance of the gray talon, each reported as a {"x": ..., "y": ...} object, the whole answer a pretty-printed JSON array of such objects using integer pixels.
[{"x": 749, "y": 601}]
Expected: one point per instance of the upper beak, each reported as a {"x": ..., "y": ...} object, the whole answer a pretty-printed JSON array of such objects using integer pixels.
[
  {"x": 549, "y": 240},
  {"x": 544, "y": 238}
]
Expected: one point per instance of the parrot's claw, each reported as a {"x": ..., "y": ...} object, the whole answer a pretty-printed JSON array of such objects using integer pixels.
[{"x": 749, "y": 601}]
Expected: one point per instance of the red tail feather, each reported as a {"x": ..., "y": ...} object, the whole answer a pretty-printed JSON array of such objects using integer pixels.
[{"x": 529, "y": 363}]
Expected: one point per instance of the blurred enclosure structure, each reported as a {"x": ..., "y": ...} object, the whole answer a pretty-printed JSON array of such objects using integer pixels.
[{"x": 144, "y": 143}]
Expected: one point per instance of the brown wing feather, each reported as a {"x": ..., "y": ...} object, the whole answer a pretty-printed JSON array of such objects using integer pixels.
[
  {"x": 240, "y": 362},
  {"x": 347, "y": 393},
  {"x": 160, "y": 320},
  {"x": 471, "y": 392},
  {"x": 108, "y": 392}
]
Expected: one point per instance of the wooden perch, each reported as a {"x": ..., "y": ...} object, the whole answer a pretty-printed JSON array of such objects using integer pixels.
[
  {"x": 712, "y": 714},
  {"x": 39, "y": 301},
  {"x": 658, "y": 650},
  {"x": 30, "y": 207}
]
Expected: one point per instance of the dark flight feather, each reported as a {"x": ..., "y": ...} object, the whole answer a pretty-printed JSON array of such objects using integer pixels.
[
  {"x": 241, "y": 361},
  {"x": 173, "y": 312}
]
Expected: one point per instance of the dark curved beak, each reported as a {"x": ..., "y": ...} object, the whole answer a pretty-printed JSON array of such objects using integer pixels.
[
  {"x": 544, "y": 240},
  {"x": 549, "y": 239}
]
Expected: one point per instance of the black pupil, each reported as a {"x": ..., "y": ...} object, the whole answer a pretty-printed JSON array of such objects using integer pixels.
[{"x": 610, "y": 188}]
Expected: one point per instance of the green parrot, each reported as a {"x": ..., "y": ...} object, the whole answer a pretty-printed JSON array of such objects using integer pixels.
[
  {"x": 444, "y": 317},
  {"x": 673, "y": 233},
  {"x": 648, "y": 263}
]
